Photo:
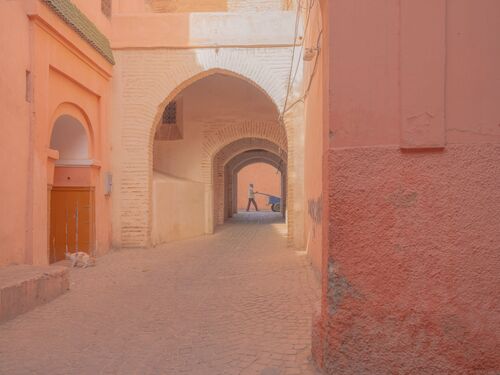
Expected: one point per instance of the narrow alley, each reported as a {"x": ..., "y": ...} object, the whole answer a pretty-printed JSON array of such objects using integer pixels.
[{"x": 237, "y": 302}]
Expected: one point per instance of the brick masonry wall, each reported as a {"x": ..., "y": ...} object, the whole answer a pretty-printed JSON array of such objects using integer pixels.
[{"x": 145, "y": 81}]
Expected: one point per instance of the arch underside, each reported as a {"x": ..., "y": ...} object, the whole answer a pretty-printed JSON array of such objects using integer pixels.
[{"x": 70, "y": 138}]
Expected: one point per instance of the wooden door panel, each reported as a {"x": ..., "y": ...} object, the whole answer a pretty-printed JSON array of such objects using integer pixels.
[{"x": 72, "y": 221}]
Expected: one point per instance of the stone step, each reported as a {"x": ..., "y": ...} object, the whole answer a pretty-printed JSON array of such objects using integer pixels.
[{"x": 24, "y": 287}]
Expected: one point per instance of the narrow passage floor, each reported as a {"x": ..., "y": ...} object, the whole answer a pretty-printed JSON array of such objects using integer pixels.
[{"x": 237, "y": 302}]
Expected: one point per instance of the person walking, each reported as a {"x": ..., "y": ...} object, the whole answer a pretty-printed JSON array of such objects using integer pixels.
[{"x": 251, "y": 198}]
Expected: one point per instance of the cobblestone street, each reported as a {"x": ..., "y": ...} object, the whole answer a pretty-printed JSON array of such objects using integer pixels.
[{"x": 237, "y": 302}]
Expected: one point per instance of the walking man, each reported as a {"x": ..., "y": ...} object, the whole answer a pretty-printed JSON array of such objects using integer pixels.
[{"x": 251, "y": 198}]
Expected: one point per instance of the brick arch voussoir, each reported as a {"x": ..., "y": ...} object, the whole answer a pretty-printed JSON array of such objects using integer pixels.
[
  {"x": 240, "y": 147},
  {"x": 166, "y": 89},
  {"x": 237, "y": 165},
  {"x": 215, "y": 142},
  {"x": 268, "y": 130}
]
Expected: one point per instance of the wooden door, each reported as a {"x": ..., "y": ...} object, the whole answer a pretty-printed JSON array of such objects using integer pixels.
[{"x": 71, "y": 221}]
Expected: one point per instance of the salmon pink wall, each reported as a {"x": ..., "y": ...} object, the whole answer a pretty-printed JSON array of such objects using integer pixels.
[
  {"x": 68, "y": 77},
  {"x": 265, "y": 179},
  {"x": 73, "y": 176},
  {"x": 314, "y": 137},
  {"x": 411, "y": 272},
  {"x": 14, "y": 142}
]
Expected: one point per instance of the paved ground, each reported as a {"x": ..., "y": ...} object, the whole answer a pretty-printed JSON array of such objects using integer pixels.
[{"x": 238, "y": 302}]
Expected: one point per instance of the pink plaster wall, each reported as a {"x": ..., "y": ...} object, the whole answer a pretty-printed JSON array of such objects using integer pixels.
[
  {"x": 314, "y": 139},
  {"x": 473, "y": 72},
  {"x": 14, "y": 124},
  {"x": 411, "y": 277},
  {"x": 264, "y": 178},
  {"x": 364, "y": 107},
  {"x": 73, "y": 176}
]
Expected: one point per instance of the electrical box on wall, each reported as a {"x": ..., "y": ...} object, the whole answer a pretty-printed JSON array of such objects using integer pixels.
[{"x": 108, "y": 183}]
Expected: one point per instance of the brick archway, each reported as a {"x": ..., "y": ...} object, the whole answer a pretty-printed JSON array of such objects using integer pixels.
[
  {"x": 237, "y": 163},
  {"x": 222, "y": 140},
  {"x": 228, "y": 154},
  {"x": 142, "y": 115}
]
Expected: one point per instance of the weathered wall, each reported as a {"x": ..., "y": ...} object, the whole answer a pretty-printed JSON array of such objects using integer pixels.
[
  {"x": 412, "y": 273},
  {"x": 413, "y": 269},
  {"x": 265, "y": 179}
]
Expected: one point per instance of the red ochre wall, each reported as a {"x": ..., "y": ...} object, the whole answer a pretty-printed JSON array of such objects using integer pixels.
[
  {"x": 411, "y": 277},
  {"x": 264, "y": 178}
]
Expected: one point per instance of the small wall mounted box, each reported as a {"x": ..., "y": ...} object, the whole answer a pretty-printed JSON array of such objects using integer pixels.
[{"x": 108, "y": 183}]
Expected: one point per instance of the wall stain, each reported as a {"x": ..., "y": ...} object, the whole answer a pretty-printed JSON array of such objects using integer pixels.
[
  {"x": 402, "y": 198},
  {"x": 315, "y": 211},
  {"x": 339, "y": 288}
]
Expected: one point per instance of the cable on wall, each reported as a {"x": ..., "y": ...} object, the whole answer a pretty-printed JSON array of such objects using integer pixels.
[
  {"x": 291, "y": 80},
  {"x": 315, "y": 68},
  {"x": 295, "y": 34}
]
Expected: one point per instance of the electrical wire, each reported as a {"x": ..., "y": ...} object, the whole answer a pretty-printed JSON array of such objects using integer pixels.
[
  {"x": 296, "y": 31},
  {"x": 291, "y": 80},
  {"x": 306, "y": 27},
  {"x": 315, "y": 68}
]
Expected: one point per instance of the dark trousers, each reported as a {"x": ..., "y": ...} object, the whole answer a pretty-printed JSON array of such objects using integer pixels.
[{"x": 250, "y": 201}]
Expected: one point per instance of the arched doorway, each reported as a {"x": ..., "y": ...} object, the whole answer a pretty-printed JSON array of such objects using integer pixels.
[
  {"x": 231, "y": 159},
  {"x": 71, "y": 194},
  {"x": 201, "y": 129}
]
